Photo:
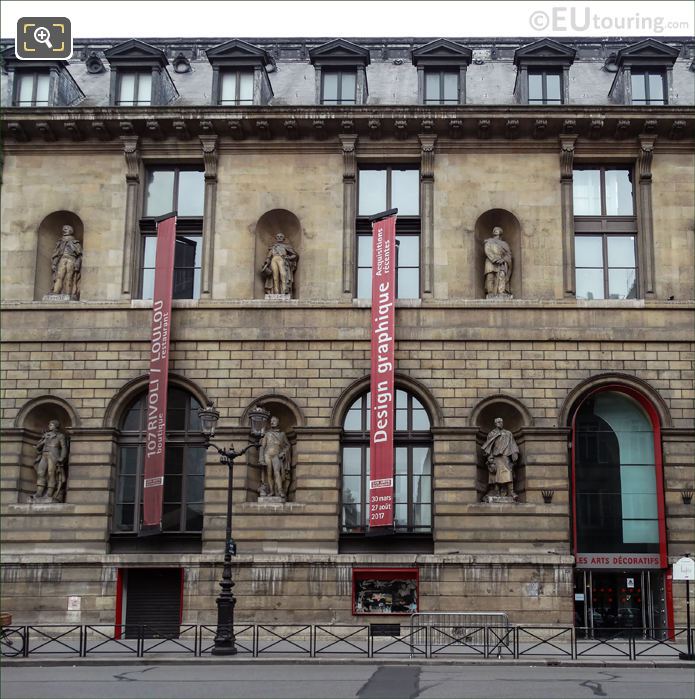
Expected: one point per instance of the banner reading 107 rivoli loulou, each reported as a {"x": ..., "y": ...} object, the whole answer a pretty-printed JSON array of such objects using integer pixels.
[{"x": 381, "y": 422}]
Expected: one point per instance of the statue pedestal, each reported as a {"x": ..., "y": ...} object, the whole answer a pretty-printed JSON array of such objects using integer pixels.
[
  {"x": 43, "y": 500},
  {"x": 277, "y": 297},
  {"x": 58, "y": 298},
  {"x": 499, "y": 297},
  {"x": 500, "y": 499},
  {"x": 271, "y": 500}
]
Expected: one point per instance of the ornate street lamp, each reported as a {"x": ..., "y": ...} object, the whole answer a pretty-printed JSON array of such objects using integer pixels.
[{"x": 225, "y": 641}]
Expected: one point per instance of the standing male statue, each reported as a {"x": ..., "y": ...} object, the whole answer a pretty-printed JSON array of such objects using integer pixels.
[
  {"x": 66, "y": 264},
  {"x": 274, "y": 454},
  {"x": 279, "y": 266},
  {"x": 52, "y": 451},
  {"x": 502, "y": 453},
  {"x": 498, "y": 265}
]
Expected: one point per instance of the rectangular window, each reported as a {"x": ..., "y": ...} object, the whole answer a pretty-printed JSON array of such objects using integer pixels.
[
  {"x": 32, "y": 89},
  {"x": 544, "y": 87},
  {"x": 134, "y": 89},
  {"x": 236, "y": 87},
  {"x": 648, "y": 88},
  {"x": 183, "y": 190},
  {"x": 338, "y": 87},
  {"x": 379, "y": 190},
  {"x": 605, "y": 234},
  {"x": 441, "y": 87}
]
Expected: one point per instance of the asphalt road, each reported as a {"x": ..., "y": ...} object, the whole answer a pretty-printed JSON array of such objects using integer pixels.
[{"x": 366, "y": 681}]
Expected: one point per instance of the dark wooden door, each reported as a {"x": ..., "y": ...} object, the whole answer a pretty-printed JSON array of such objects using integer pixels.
[{"x": 153, "y": 601}]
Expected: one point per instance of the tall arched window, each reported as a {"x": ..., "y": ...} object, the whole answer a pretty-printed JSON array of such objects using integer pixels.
[
  {"x": 184, "y": 475},
  {"x": 617, "y": 473},
  {"x": 413, "y": 467}
]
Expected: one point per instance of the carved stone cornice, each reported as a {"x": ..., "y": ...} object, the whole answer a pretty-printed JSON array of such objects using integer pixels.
[
  {"x": 567, "y": 143},
  {"x": 348, "y": 143},
  {"x": 44, "y": 128},
  {"x": 210, "y": 155},
  {"x": 427, "y": 142},
  {"x": 646, "y": 153},
  {"x": 131, "y": 151}
]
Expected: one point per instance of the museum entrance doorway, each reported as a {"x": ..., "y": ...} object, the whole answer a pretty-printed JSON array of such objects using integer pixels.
[
  {"x": 607, "y": 601},
  {"x": 151, "y": 601}
]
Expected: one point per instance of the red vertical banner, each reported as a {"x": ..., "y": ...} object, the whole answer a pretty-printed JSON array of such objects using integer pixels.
[
  {"x": 156, "y": 422},
  {"x": 383, "y": 395}
]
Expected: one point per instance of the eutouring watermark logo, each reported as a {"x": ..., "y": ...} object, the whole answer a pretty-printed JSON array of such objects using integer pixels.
[{"x": 586, "y": 19}]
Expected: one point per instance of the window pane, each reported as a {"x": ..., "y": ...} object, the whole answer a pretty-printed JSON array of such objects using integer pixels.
[
  {"x": 147, "y": 283},
  {"x": 246, "y": 88},
  {"x": 352, "y": 489},
  {"x": 401, "y": 400},
  {"x": 150, "y": 252},
  {"x": 451, "y": 87},
  {"x": 353, "y": 420},
  {"x": 364, "y": 251},
  {"x": 131, "y": 423},
  {"x": 348, "y": 85},
  {"x": 173, "y": 460},
  {"x": 126, "y": 93},
  {"x": 588, "y": 251},
  {"x": 401, "y": 419},
  {"x": 160, "y": 192},
  {"x": 401, "y": 515},
  {"x": 364, "y": 283},
  {"x": 587, "y": 192},
  {"x": 432, "y": 87},
  {"x": 191, "y": 193},
  {"x": 621, "y": 251},
  {"x": 330, "y": 87},
  {"x": 401, "y": 454},
  {"x": 638, "y": 87},
  {"x": 656, "y": 88},
  {"x": 535, "y": 87},
  {"x": 194, "y": 518},
  {"x": 420, "y": 420},
  {"x": 145, "y": 88},
  {"x": 129, "y": 460},
  {"x": 42, "y": 82},
  {"x": 552, "y": 87},
  {"x": 352, "y": 460},
  {"x": 401, "y": 488},
  {"x": 618, "y": 193},
  {"x": 172, "y": 489},
  {"x": 405, "y": 192},
  {"x": 352, "y": 515},
  {"x": 408, "y": 250},
  {"x": 26, "y": 88},
  {"x": 621, "y": 284},
  {"x": 187, "y": 251},
  {"x": 421, "y": 461},
  {"x": 372, "y": 197},
  {"x": 228, "y": 88},
  {"x": 422, "y": 515},
  {"x": 590, "y": 284},
  {"x": 125, "y": 517},
  {"x": 408, "y": 283},
  {"x": 422, "y": 489},
  {"x": 171, "y": 517},
  {"x": 195, "y": 461}
]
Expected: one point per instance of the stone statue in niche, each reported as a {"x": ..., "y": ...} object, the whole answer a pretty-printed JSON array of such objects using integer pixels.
[
  {"x": 501, "y": 452},
  {"x": 279, "y": 268},
  {"x": 498, "y": 266},
  {"x": 66, "y": 266},
  {"x": 275, "y": 454},
  {"x": 52, "y": 455}
]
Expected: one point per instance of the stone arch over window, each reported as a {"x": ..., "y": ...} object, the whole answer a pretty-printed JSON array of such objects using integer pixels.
[
  {"x": 512, "y": 233},
  {"x": 291, "y": 417},
  {"x": 49, "y": 233},
  {"x": 268, "y": 225},
  {"x": 32, "y": 421},
  {"x": 517, "y": 419}
]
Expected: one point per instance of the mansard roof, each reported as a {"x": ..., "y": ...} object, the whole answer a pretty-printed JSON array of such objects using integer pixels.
[
  {"x": 442, "y": 52},
  {"x": 237, "y": 52},
  {"x": 544, "y": 52},
  {"x": 339, "y": 52},
  {"x": 136, "y": 52},
  {"x": 647, "y": 52}
]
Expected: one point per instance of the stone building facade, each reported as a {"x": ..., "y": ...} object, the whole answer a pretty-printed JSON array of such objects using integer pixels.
[{"x": 261, "y": 136}]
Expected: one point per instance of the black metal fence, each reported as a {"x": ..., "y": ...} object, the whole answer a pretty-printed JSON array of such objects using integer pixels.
[{"x": 366, "y": 640}]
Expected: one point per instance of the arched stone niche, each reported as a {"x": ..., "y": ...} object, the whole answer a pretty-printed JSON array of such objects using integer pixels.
[
  {"x": 273, "y": 222},
  {"x": 516, "y": 419},
  {"x": 290, "y": 417},
  {"x": 511, "y": 228},
  {"x": 33, "y": 421},
  {"x": 50, "y": 231}
]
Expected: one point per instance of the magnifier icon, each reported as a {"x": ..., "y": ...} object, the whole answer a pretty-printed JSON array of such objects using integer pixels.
[{"x": 43, "y": 36}]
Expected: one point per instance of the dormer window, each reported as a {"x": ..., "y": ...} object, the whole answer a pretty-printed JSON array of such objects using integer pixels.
[
  {"x": 341, "y": 76},
  {"x": 441, "y": 67},
  {"x": 542, "y": 72},
  {"x": 31, "y": 89},
  {"x": 239, "y": 74},
  {"x": 139, "y": 76},
  {"x": 645, "y": 73},
  {"x": 134, "y": 89}
]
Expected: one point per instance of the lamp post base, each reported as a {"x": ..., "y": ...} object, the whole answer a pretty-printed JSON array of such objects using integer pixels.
[
  {"x": 224, "y": 649},
  {"x": 686, "y": 656}
]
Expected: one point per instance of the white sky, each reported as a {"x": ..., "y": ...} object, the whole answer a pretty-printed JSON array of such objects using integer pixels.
[{"x": 356, "y": 18}]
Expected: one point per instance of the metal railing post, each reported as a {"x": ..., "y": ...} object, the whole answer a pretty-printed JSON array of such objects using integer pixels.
[
  {"x": 516, "y": 642},
  {"x": 25, "y": 652}
]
